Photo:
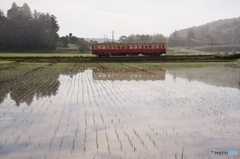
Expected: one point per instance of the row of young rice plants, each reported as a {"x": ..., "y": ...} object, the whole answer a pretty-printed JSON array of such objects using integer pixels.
[
  {"x": 111, "y": 110},
  {"x": 37, "y": 84},
  {"x": 12, "y": 73},
  {"x": 120, "y": 113},
  {"x": 141, "y": 102},
  {"x": 200, "y": 102},
  {"x": 187, "y": 108}
]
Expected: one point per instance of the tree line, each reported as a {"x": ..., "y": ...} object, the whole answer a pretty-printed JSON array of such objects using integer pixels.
[
  {"x": 143, "y": 38},
  {"x": 21, "y": 30}
]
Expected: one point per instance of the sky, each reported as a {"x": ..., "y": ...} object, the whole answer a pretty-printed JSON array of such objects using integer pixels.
[{"x": 98, "y": 18}]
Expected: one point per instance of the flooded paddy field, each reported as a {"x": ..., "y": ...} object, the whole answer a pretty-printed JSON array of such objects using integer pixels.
[{"x": 118, "y": 110}]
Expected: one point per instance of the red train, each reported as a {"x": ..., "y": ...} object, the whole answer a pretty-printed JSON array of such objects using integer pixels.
[{"x": 125, "y": 49}]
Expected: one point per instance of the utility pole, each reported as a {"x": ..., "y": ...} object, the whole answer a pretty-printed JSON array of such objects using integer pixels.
[{"x": 113, "y": 36}]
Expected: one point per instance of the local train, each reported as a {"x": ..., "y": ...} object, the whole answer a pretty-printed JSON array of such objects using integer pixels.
[{"x": 128, "y": 49}]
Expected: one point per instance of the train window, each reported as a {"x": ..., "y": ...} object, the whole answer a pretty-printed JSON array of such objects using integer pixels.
[
  {"x": 96, "y": 47},
  {"x": 127, "y": 47},
  {"x": 160, "y": 46},
  {"x": 163, "y": 46},
  {"x": 146, "y": 47}
]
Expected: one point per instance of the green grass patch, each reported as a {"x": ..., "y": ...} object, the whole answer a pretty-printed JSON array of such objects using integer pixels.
[
  {"x": 73, "y": 46},
  {"x": 238, "y": 60},
  {"x": 229, "y": 56},
  {"x": 6, "y": 62},
  {"x": 44, "y": 55},
  {"x": 185, "y": 51}
]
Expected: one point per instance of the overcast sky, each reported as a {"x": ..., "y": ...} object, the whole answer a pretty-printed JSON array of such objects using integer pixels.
[{"x": 96, "y": 18}]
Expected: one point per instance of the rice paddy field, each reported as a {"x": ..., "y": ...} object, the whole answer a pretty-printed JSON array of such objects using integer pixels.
[{"x": 119, "y": 110}]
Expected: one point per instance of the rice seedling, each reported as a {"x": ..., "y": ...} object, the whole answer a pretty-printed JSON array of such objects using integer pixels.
[{"x": 110, "y": 110}]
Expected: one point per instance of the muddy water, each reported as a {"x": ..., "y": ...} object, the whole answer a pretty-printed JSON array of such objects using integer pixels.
[{"x": 94, "y": 111}]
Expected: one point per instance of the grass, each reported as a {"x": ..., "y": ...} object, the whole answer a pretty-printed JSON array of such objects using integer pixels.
[
  {"x": 70, "y": 46},
  {"x": 229, "y": 56},
  {"x": 6, "y": 62},
  {"x": 184, "y": 51},
  {"x": 238, "y": 60},
  {"x": 44, "y": 55},
  {"x": 73, "y": 46}
]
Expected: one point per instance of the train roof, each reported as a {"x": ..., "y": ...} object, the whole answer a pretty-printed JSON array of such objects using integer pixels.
[{"x": 127, "y": 43}]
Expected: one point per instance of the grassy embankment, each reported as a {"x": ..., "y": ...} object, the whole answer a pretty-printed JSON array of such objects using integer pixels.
[
  {"x": 44, "y": 55},
  {"x": 177, "y": 54},
  {"x": 185, "y": 51},
  {"x": 238, "y": 60},
  {"x": 6, "y": 62}
]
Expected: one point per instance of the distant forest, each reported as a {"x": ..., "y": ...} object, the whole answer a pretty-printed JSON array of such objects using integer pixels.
[
  {"x": 21, "y": 30},
  {"x": 221, "y": 32}
]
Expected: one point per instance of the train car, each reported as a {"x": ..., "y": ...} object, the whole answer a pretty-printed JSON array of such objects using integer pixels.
[{"x": 128, "y": 49}]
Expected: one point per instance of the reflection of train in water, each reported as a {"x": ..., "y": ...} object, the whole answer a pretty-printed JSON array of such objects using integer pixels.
[
  {"x": 124, "y": 49},
  {"x": 129, "y": 75}
]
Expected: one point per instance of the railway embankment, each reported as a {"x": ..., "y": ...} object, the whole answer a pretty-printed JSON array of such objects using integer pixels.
[{"x": 79, "y": 59}]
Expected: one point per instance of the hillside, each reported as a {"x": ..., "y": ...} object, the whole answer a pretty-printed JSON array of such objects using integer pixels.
[
  {"x": 221, "y": 32},
  {"x": 212, "y": 26}
]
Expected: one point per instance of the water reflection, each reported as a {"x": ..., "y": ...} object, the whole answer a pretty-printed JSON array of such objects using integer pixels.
[
  {"x": 218, "y": 76},
  {"x": 129, "y": 75},
  {"x": 117, "y": 111},
  {"x": 24, "y": 88}
]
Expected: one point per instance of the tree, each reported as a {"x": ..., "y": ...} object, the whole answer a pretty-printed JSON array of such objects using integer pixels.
[
  {"x": 131, "y": 38},
  {"x": 13, "y": 12},
  {"x": 64, "y": 41},
  {"x": 191, "y": 34},
  {"x": 144, "y": 38},
  {"x": 122, "y": 38},
  {"x": 83, "y": 45},
  {"x": 174, "y": 34},
  {"x": 26, "y": 11},
  {"x": 73, "y": 40},
  {"x": 1, "y": 13},
  {"x": 24, "y": 31},
  {"x": 158, "y": 38}
]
